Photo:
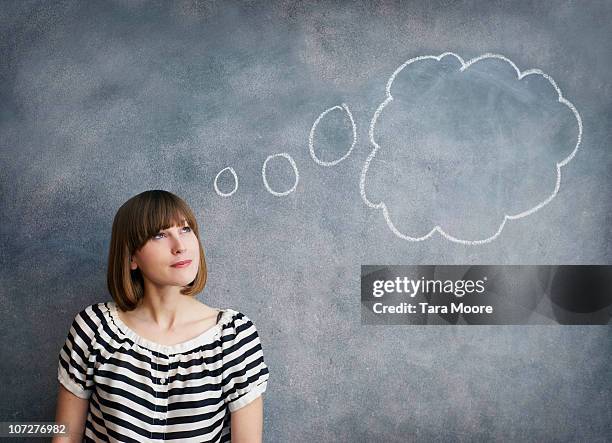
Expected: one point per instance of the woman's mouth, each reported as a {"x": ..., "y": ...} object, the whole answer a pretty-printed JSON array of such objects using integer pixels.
[{"x": 181, "y": 264}]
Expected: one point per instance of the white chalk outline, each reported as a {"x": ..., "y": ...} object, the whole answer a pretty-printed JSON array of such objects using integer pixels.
[
  {"x": 293, "y": 165},
  {"x": 223, "y": 194},
  {"x": 344, "y": 107},
  {"x": 464, "y": 66}
]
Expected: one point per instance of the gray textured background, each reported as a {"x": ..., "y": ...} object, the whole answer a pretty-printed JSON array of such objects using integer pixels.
[{"x": 102, "y": 100}]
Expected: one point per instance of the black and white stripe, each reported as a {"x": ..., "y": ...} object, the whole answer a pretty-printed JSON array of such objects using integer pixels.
[{"x": 142, "y": 391}]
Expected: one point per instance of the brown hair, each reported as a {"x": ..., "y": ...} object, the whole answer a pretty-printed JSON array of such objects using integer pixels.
[{"x": 136, "y": 221}]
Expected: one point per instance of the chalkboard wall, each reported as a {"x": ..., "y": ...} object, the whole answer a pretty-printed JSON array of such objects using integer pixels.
[{"x": 285, "y": 126}]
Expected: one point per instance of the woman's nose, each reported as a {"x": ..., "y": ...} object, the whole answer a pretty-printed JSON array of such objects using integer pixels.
[{"x": 178, "y": 244}]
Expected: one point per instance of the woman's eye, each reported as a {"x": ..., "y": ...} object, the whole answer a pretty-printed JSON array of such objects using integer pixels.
[{"x": 161, "y": 233}]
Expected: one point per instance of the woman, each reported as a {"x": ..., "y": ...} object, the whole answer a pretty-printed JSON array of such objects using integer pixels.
[{"x": 155, "y": 363}]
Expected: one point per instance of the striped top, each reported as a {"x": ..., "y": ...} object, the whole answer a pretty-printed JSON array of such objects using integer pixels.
[{"x": 139, "y": 390}]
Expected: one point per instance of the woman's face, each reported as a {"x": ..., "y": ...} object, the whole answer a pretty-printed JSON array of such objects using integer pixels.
[{"x": 169, "y": 246}]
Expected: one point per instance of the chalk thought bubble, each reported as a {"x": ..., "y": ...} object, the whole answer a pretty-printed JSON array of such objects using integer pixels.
[{"x": 466, "y": 146}]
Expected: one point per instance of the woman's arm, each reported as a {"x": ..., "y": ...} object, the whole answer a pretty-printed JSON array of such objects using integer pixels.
[
  {"x": 72, "y": 411},
  {"x": 247, "y": 423}
]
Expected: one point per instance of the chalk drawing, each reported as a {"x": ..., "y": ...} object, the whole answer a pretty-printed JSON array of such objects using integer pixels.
[
  {"x": 344, "y": 108},
  {"x": 222, "y": 194},
  {"x": 464, "y": 66},
  {"x": 295, "y": 170}
]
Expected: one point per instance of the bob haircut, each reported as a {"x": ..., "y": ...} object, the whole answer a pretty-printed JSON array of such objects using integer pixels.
[{"x": 136, "y": 221}]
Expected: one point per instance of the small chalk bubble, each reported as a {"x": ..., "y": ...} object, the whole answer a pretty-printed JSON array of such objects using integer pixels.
[
  {"x": 226, "y": 194},
  {"x": 264, "y": 173},
  {"x": 313, "y": 130}
]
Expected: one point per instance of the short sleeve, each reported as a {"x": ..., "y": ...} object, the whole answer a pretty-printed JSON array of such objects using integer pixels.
[
  {"x": 76, "y": 358},
  {"x": 245, "y": 374}
]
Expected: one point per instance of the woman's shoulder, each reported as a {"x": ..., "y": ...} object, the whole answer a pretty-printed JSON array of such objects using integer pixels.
[
  {"x": 237, "y": 325},
  {"x": 87, "y": 325},
  {"x": 239, "y": 334},
  {"x": 94, "y": 316},
  {"x": 226, "y": 315},
  {"x": 235, "y": 316}
]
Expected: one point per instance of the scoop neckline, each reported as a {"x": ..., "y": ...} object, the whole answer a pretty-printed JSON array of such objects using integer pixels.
[{"x": 169, "y": 349}]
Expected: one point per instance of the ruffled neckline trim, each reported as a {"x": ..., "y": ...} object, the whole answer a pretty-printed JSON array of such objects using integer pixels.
[{"x": 202, "y": 339}]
